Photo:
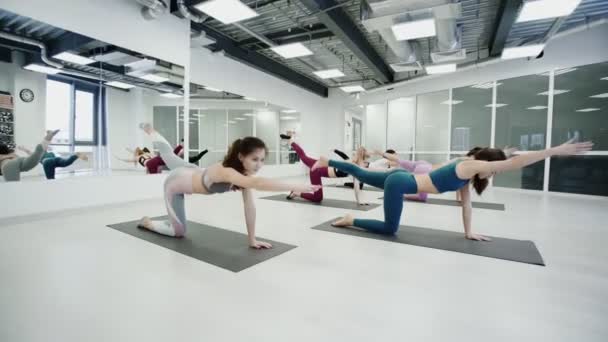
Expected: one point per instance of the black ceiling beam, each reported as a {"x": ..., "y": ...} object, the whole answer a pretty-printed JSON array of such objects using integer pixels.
[
  {"x": 66, "y": 42},
  {"x": 507, "y": 14},
  {"x": 294, "y": 35},
  {"x": 6, "y": 55},
  {"x": 13, "y": 45},
  {"x": 261, "y": 62},
  {"x": 344, "y": 28}
]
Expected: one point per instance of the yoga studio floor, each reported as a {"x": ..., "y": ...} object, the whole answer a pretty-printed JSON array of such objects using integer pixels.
[{"x": 68, "y": 277}]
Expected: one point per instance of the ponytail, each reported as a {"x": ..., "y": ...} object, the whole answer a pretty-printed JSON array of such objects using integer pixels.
[
  {"x": 487, "y": 154},
  {"x": 242, "y": 147}
]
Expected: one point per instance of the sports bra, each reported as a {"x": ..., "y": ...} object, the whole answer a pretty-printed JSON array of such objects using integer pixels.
[
  {"x": 216, "y": 188},
  {"x": 445, "y": 178}
]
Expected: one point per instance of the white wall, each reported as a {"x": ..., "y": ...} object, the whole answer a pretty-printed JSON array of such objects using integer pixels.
[
  {"x": 118, "y": 22},
  {"x": 579, "y": 48}
]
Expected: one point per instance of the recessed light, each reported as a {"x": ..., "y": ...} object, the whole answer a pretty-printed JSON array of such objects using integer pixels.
[
  {"x": 353, "y": 89},
  {"x": 555, "y": 92},
  {"x": 488, "y": 85},
  {"x": 226, "y": 11},
  {"x": 249, "y": 114},
  {"x": 544, "y": 9},
  {"x": 288, "y": 118},
  {"x": 440, "y": 69},
  {"x": 330, "y": 73},
  {"x": 42, "y": 68},
  {"x": 120, "y": 85},
  {"x": 289, "y": 111},
  {"x": 231, "y": 122},
  {"x": 74, "y": 58},
  {"x": 414, "y": 29},
  {"x": 497, "y": 105},
  {"x": 584, "y": 110},
  {"x": 451, "y": 102},
  {"x": 154, "y": 78},
  {"x": 240, "y": 119},
  {"x": 604, "y": 78},
  {"x": 537, "y": 107},
  {"x": 292, "y": 50},
  {"x": 600, "y": 96},
  {"x": 171, "y": 96},
  {"x": 522, "y": 51}
]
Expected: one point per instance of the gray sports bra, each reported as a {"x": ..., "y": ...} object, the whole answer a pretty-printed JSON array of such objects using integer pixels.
[{"x": 216, "y": 188}]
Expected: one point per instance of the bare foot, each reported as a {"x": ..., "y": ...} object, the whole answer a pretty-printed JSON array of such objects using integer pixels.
[
  {"x": 322, "y": 162},
  {"x": 146, "y": 127},
  {"x": 50, "y": 134},
  {"x": 144, "y": 223},
  {"x": 346, "y": 221},
  {"x": 82, "y": 156}
]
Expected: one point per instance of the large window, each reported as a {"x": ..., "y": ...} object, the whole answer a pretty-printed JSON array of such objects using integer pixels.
[
  {"x": 432, "y": 126},
  {"x": 471, "y": 116},
  {"x": 401, "y": 131}
]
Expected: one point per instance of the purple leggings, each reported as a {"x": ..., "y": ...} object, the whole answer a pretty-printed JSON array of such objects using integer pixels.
[
  {"x": 419, "y": 167},
  {"x": 315, "y": 175}
]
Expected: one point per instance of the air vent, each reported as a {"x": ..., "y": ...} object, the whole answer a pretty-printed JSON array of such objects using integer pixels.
[
  {"x": 449, "y": 56},
  {"x": 404, "y": 67}
]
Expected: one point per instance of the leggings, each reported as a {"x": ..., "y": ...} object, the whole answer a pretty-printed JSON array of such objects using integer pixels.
[
  {"x": 395, "y": 184},
  {"x": 315, "y": 175},
  {"x": 419, "y": 167},
  {"x": 50, "y": 164},
  {"x": 11, "y": 169},
  {"x": 169, "y": 158},
  {"x": 178, "y": 183},
  {"x": 191, "y": 159},
  {"x": 346, "y": 184}
]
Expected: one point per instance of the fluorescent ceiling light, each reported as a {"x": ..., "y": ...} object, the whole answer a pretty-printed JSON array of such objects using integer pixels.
[
  {"x": 604, "y": 78},
  {"x": 352, "y": 89},
  {"x": 120, "y": 85},
  {"x": 361, "y": 106},
  {"x": 154, "y": 78},
  {"x": 584, "y": 110},
  {"x": 600, "y": 96},
  {"x": 288, "y": 118},
  {"x": 249, "y": 114},
  {"x": 171, "y": 96},
  {"x": 451, "y": 102},
  {"x": 213, "y": 89},
  {"x": 537, "y": 107},
  {"x": 555, "y": 92},
  {"x": 42, "y": 69},
  {"x": 289, "y": 111},
  {"x": 498, "y": 105},
  {"x": 488, "y": 85},
  {"x": 231, "y": 122},
  {"x": 329, "y": 73},
  {"x": 522, "y": 51},
  {"x": 544, "y": 9},
  {"x": 414, "y": 29},
  {"x": 292, "y": 50},
  {"x": 226, "y": 11},
  {"x": 74, "y": 58},
  {"x": 440, "y": 69},
  {"x": 558, "y": 72},
  {"x": 240, "y": 119}
]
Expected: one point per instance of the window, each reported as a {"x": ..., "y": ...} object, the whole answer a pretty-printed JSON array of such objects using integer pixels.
[
  {"x": 432, "y": 122},
  {"x": 471, "y": 117},
  {"x": 401, "y": 127}
]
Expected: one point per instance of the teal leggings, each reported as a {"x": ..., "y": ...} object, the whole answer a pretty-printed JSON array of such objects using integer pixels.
[{"x": 395, "y": 184}]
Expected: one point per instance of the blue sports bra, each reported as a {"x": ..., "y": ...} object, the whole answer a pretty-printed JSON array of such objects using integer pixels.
[{"x": 445, "y": 178}]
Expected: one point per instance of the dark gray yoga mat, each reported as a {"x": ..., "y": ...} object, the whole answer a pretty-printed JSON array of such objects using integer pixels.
[
  {"x": 455, "y": 203},
  {"x": 216, "y": 246},
  {"x": 365, "y": 187},
  {"x": 327, "y": 202},
  {"x": 499, "y": 248}
]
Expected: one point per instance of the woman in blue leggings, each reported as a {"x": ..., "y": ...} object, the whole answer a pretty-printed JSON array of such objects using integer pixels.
[
  {"x": 50, "y": 161},
  {"x": 454, "y": 176}
]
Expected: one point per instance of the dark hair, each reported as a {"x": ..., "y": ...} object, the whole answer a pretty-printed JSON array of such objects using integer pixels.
[
  {"x": 145, "y": 149},
  {"x": 5, "y": 149},
  {"x": 243, "y": 147},
  {"x": 391, "y": 151},
  {"x": 487, "y": 154}
]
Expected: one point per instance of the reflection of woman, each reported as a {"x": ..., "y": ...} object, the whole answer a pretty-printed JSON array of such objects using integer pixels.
[
  {"x": 244, "y": 159},
  {"x": 454, "y": 176},
  {"x": 144, "y": 157},
  {"x": 12, "y": 165},
  {"x": 179, "y": 150},
  {"x": 324, "y": 172},
  {"x": 50, "y": 161}
]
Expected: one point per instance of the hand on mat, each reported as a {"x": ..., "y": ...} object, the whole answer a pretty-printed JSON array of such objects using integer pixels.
[
  {"x": 259, "y": 244},
  {"x": 569, "y": 148},
  {"x": 477, "y": 237}
]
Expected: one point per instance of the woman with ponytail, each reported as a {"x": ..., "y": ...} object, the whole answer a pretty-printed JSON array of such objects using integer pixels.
[
  {"x": 236, "y": 173},
  {"x": 481, "y": 164}
]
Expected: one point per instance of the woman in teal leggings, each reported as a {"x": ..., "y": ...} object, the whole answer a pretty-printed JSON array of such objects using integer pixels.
[{"x": 454, "y": 176}]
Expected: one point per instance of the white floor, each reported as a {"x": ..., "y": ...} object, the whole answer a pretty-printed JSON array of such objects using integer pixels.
[{"x": 69, "y": 278}]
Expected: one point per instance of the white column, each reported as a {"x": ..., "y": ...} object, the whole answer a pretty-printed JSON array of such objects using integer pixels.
[{"x": 549, "y": 129}]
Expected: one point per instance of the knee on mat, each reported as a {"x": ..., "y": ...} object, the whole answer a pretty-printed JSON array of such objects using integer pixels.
[{"x": 391, "y": 228}]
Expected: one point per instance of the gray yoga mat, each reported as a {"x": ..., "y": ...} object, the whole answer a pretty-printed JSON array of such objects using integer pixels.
[
  {"x": 216, "y": 246},
  {"x": 455, "y": 203},
  {"x": 366, "y": 187},
  {"x": 327, "y": 202},
  {"x": 499, "y": 248}
]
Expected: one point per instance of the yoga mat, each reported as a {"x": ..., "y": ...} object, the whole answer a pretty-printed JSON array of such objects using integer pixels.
[
  {"x": 220, "y": 247},
  {"x": 327, "y": 202},
  {"x": 499, "y": 248},
  {"x": 366, "y": 187},
  {"x": 455, "y": 203}
]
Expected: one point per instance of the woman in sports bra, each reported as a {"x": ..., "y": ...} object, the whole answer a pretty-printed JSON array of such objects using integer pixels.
[
  {"x": 454, "y": 176},
  {"x": 244, "y": 159},
  {"x": 324, "y": 172}
]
